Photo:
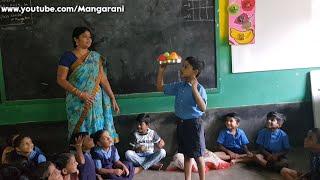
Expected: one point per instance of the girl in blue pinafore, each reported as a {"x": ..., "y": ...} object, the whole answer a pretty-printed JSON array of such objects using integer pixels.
[{"x": 107, "y": 160}]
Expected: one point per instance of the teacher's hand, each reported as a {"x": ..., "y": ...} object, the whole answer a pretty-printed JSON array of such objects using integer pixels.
[
  {"x": 87, "y": 98},
  {"x": 115, "y": 106}
]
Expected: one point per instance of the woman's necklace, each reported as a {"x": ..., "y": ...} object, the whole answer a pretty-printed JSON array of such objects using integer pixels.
[{"x": 80, "y": 53}]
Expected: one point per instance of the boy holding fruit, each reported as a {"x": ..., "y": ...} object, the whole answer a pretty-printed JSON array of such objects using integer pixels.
[{"x": 190, "y": 105}]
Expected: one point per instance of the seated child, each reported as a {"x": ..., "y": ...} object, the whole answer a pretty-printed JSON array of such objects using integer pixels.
[
  {"x": 24, "y": 150},
  {"x": 273, "y": 143},
  {"x": 47, "y": 170},
  {"x": 233, "y": 141},
  {"x": 311, "y": 143},
  {"x": 67, "y": 164},
  {"x": 12, "y": 172},
  {"x": 143, "y": 155},
  {"x": 8, "y": 148},
  {"x": 83, "y": 143},
  {"x": 107, "y": 159}
]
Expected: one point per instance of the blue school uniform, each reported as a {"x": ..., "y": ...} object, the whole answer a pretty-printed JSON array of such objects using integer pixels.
[
  {"x": 106, "y": 159},
  {"x": 185, "y": 105},
  {"x": 87, "y": 170},
  {"x": 190, "y": 130},
  {"x": 234, "y": 143},
  {"x": 35, "y": 157},
  {"x": 273, "y": 141}
]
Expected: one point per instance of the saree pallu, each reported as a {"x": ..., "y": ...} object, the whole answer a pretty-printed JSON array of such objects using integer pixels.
[{"x": 86, "y": 76}]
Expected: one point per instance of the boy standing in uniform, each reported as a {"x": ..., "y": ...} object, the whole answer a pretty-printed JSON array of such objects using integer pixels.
[{"x": 190, "y": 105}]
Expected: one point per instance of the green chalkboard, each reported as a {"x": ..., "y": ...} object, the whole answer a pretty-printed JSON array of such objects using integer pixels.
[{"x": 130, "y": 41}]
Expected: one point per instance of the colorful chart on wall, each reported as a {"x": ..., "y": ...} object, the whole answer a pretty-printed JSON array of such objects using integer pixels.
[
  {"x": 241, "y": 22},
  {"x": 284, "y": 39}
]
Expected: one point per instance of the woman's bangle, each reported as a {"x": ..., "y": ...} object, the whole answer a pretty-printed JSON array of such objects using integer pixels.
[
  {"x": 74, "y": 89},
  {"x": 80, "y": 94},
  {"x": 77, "y": 92}
]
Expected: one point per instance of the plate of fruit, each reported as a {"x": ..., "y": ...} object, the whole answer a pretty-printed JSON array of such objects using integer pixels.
[{"x": 169, "y": 58}]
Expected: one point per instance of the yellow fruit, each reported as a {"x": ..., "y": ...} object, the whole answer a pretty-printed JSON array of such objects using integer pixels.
[
  {"x": 242, "y": 37},
  {"x": 173, "y": 55}
]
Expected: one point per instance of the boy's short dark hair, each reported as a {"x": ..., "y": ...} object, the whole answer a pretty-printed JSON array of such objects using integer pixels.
[
  {"x": 232, "y": 115},
  {"x": 278, "y": 116},
  {"x": 143, "y": 118},
  {"x": 77, "y": 135},
  {"x": 196, "y": 64}
]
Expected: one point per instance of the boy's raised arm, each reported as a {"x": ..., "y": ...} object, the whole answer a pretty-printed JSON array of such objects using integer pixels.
[
  {"x": 79, "y": 154},
  {"x": 160, "y": 76}
]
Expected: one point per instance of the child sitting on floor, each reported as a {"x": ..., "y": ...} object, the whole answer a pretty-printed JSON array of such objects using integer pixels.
[
  {"x": 273, "y": 143},
  {"x": 82, "y": 144},
  {"x": 311, "y": 143},
  {"x": 143, "y": 154},
  {"x": 233, "y": 141},
  {"x": 107, "y": 159},
  {"x": 67, "y": 164},
  {"x": 8, "y": 148},
  {"x": 24, "y": 150},
  {"x": 47, "y": 170}
]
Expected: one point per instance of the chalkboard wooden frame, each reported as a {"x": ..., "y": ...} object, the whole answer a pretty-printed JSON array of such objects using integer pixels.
[{"x": 132, "y": 95}]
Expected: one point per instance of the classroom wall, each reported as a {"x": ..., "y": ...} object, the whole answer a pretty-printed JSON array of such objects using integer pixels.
[
  {"x": 234, "y": 90},
  {"x": 50, "y": 136}
]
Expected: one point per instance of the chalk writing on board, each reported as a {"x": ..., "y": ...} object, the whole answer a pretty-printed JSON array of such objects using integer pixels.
[
  {"x": 198, "y": 10},
  {"x": 11, "y": 17}
]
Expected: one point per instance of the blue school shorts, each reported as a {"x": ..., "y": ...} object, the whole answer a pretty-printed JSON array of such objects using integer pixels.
[{"x": 190, "y": 137}]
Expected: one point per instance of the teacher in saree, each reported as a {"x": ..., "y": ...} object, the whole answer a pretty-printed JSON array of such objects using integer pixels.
[{"x": 89, "y": 98}]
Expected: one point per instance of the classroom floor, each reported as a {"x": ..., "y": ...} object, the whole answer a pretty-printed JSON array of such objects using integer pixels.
[{"x": 298, "y": 160}]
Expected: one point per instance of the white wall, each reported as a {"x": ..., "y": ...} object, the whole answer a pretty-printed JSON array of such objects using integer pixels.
[{"x": 287, "y": 37}]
